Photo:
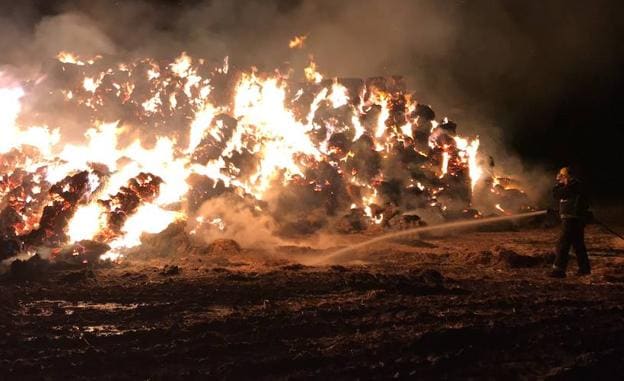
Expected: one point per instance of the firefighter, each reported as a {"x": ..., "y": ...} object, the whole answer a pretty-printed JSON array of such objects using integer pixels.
[{"x": 574, "y": 212}]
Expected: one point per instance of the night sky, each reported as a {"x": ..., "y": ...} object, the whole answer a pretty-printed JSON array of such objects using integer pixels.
[
  {"x": 549, "y": 73},
  {"x": 564, "y": 105}
]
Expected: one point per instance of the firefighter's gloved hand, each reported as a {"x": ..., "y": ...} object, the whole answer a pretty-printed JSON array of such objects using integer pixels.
[{"x": 552, "y": 217}]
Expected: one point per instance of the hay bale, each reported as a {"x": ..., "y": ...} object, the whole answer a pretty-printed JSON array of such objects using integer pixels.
[
  {"x": 33, "y": 268},
  {"x": 170, "y": 270},
  {"x": 352, "y": 222},
  {"x": 173, "y": 241},
  {"x": 223, "y": 246},
  {"x": 432, "y": 277},
  {"x": 9, "y": 247},
  {"x": 82, "y": 252}
]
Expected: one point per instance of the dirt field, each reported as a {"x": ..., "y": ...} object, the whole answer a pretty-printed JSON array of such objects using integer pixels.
[{"x": 473, "y": 305}]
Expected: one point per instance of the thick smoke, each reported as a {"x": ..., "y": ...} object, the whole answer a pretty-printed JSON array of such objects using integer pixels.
[
  {"x": 351, "y": 38},
  {"x": 431, "y": 40},
  {"x": 438, "y": 44},
  {"x": 74, "y": 30},
  {"x": 229, "y": 216}
]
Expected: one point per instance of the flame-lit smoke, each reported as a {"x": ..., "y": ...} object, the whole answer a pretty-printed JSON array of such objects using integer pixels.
[{"x": 166, "y": 137}]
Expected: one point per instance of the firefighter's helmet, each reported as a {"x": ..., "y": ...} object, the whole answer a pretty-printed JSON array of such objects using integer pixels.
[{"x": 564, "y": 173}]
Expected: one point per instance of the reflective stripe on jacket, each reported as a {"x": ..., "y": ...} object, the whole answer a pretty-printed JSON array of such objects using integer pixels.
[{"x": 569, "y": 207}]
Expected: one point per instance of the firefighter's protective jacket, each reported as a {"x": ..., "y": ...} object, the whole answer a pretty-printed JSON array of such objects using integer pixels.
[{"x": 572, "y": 200}]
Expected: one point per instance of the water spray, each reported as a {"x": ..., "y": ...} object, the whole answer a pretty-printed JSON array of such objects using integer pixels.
[{"x": 423, "y": 229}]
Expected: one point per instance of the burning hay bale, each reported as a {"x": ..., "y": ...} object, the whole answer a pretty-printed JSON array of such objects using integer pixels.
[
  {"x": 82, "y": 252},
  {"x": 344, "y": 154},
  {"x": 142, "y": 188}
]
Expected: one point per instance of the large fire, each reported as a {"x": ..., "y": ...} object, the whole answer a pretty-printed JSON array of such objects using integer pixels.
[{"x": 162, "y": 138}]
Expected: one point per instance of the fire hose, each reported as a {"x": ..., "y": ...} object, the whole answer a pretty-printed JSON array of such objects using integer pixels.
[
  {"x": 591, "y": 218},
  {"x": 607, "y": 228},
  {"x": 423, "y": 229}
]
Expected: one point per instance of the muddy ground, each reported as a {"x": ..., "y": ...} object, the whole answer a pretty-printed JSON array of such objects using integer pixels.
[{"x": 471, "y": 305}]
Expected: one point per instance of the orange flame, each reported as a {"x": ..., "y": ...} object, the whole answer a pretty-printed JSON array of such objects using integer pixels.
[{"x": 297, "y": 42}]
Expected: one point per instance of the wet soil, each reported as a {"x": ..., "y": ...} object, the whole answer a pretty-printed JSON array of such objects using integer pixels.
[{"x": 472, "y": 305}]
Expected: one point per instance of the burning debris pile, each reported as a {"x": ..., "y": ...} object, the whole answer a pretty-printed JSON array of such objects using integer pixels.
[{"x": 103, "y": 151}]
